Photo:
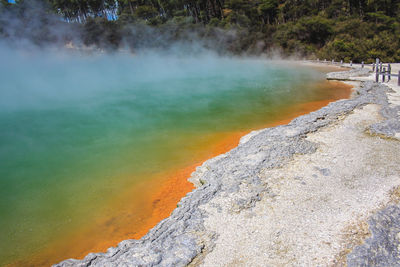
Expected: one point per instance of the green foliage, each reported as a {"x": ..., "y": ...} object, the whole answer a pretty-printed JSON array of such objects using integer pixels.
[
  {"x": 146, "y": 12},
  {"x": 239, "y": 5},
  {"x": 305, "y": 36},
  {"x": 343, "y": 48},
  {"x": 360, "y": 30},
  {"x": 102, "y": 33},
  {"x": 268, "y": 9},
  {"x": 314, "y": 30},
  {"x": 4, "y": 3},
  {"x": 237, "y": 19}
]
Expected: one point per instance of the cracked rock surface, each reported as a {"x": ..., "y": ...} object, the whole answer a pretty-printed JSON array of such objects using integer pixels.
[{"x": 383, "y": 248}]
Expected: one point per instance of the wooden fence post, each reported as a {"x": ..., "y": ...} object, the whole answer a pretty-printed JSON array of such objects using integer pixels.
[
  {"x": 389, "y": 72},
  {"x": 377, "y": 70},
  {"x": 398, "y": 79},
  {"x": 383, "y": 74},
  {"x": 380, "y": 67},
  {"x": 362, "y": 64}
]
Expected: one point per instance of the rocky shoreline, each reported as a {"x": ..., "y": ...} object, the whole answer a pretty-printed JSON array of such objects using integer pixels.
[{"x": 235, "y": 183}]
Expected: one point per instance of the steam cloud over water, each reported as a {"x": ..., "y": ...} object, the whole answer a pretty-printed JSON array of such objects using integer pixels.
[
  {"x": 32, "y": 24},
  {"x": 74, "y": 124}
]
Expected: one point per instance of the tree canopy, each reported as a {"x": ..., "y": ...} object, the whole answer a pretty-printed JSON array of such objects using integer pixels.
[{"x": 339, "y": 29}]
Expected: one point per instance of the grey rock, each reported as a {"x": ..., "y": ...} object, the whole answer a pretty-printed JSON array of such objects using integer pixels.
[
  {"x": 323, "y": 171},
  {"x": 383, "y": 247},
  {"x": 348, "y": 75}
]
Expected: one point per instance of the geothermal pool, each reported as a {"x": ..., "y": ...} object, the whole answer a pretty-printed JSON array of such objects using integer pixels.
[{"x": 97, "y": 148}]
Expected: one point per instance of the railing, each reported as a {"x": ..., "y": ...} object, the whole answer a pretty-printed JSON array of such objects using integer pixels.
[{"x": 381, "y": 69}]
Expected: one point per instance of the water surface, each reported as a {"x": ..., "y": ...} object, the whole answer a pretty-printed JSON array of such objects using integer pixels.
[{"x": 90, "y": 145}]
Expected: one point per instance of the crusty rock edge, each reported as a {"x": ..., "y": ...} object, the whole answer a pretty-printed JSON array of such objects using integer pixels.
[
  {"x": 180, "y": 238},
  {"x": 382, "y": 248}
]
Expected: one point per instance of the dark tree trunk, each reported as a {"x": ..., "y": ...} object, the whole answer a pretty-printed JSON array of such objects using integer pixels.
[{"x": 131, "y": 7}]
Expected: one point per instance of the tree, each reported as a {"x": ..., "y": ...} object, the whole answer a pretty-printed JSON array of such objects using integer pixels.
[
  {"x": 268, "y": 9},
  {"x": 315, "y": 30},
  {"x": 146, "y": 12}
]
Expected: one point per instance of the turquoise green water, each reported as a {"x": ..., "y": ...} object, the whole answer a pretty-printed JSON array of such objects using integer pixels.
[{"x": 73, "y": 127}]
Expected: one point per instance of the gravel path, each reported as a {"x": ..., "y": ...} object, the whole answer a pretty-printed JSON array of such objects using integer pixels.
[{"x": 310, "y": 203}]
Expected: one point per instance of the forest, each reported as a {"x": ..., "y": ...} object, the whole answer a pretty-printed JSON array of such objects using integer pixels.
[{"x": 358, "y": 30}]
